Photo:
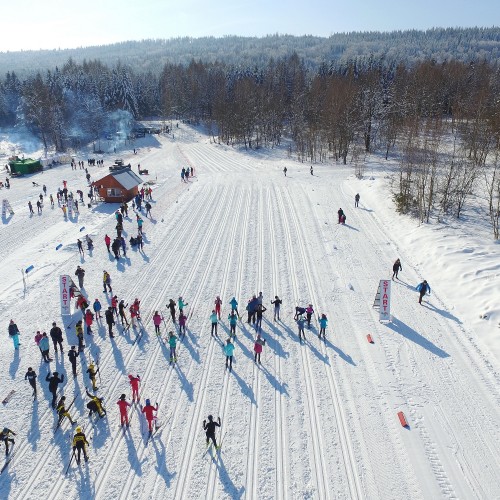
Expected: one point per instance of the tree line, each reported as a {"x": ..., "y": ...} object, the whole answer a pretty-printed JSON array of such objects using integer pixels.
[{"x": 440, "y": 120}]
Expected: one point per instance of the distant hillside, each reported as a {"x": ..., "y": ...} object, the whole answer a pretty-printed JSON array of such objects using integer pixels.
[{"x": 150, "y": 55}]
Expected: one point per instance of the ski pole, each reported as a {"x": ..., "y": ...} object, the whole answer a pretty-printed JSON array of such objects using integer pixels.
[
  {"x": 70, "y": 460},
  {"x": 98, "y": 370}
]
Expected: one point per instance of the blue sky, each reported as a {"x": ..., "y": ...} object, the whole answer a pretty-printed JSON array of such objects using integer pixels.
[{"x": 49, "y": 24}]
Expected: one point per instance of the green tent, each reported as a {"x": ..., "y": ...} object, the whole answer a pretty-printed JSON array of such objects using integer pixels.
[{"x": 25, "y": 166}]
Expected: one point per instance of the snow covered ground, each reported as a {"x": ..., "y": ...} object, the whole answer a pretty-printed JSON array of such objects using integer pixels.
[{"x": 315, "y": 420}]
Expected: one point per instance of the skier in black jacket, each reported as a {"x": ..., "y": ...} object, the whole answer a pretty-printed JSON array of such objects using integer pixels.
[
  {"x": 31, "y": 378},
  {"x": 210, "y": 429},
  {"x": 72, "y": 355},
  {"x": 57, "y": 336},
  {"x": 80, "y": 273},
  {"x": 4, "y": 436},
  {"x": 396, "y": 267},
  {"x": 110, "y": 320},
  {"x": 54, "y": 382}
]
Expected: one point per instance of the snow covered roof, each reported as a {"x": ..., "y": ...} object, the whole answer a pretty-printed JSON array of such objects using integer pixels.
[{"x": 127, "y": 178}]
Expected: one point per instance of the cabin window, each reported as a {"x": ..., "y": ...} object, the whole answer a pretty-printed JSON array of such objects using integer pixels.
[{"x": 112, "y": 192}]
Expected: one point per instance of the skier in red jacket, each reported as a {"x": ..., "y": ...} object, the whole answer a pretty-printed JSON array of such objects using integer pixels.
[
  {"x": 124, "y": 406},
  {"x": 134, "y": 382},
  {"x": 148, "y": 413}
]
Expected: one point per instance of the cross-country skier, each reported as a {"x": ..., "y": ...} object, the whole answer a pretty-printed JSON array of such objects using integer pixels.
[
  {"x": 114, "y": 305},
  {"x": 229, "y": 351},
  {"x": 181, "y": 304},
  {"x": 172, "y": 342},
  {"x": 309, "y": 313},
  {"x": 251, "y": 307},
  {"x": 106, "y": 281},
  {"x": 157, "y": 320},
  {"x": 300, "y": 325},
  {"x": 62, "y": 412},
  {"x": 14, "y": 334},
  {"x": 356, "y": 200},
  {"x": 234, "y": 305},
  {"x": 182, "y": 324},
  {"x": 396, "y": 267},
  {"x": 259, "y": 344},
  {"x": 298, "y": 311},
  {"x": 79, "y": 443},
  {"x": 95, "y": 405},
  {"x": 54, "y": 382},
  {"x": 277, "y": 305},
  {"x": 134, "y": 384},
  {"x": 285, "y": 170},
  {"x": 79, "y": 334},
  {"x": 110, "y": 320},
  {"x": 124, "y": 405},
  {"x": 134, "y": 314},
  {"x": 171, "y": 306},
  {"x": 38, "y": 337},
  {"x": 31, "y": 378},
  {"x": 218, "y": 304},
  {"x": 92, "y": 371},
  {"x": 423, "y": 288},
  {"x": 89, "y": 319},
  {"x": 121, "y": 312},
  {"x": 107, "y": 241},
  {"x": 259, "y": 310},
  {"x": 4, "y": 436},
  {"x": 233, "y": 319},
  {"x": 209, "y": 428},
  {"x": 80, "y": 273},
  {"x": 148, "y": 413},
  {"x": 213, "y": 320},
  {"x": 44, "y": 345},
  {"x": 82, "y": 303},
  {"x": 340, "y": 213},
  {"x": 97, "y": 309},
  {"x": 311, "y": 170},
  {"x": 72, "y": 355},
  {"x": 323, "y": 322}
]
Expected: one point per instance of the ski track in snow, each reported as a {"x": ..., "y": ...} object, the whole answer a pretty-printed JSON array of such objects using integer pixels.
[{"x": 317, "y": 419}]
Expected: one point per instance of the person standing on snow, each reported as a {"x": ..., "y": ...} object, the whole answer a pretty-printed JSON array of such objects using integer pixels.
[
  {"x": 89, "y": 319},
  {"x": 79, "y": 335},
  {"x": 114, "y": 305},
  {"x": 56, "y": 335},
  {"x": 229, "y": 351},
  {"x": 80, "y": 250},
  {"x": 31, "y": 378},
  {"x": 172, "y": 342},
  {"x": 277, "y": 304},
  {"x": 234, "y": 305},
  {"x": 233, "y": 319},
  {"x": 62, "y": 412},
  {"x": 309, "y": 313},
  {"x": 107, "y": 240},
  {"x": 396, "y": 267},
  {"x": 44, "y": 346},
  {"x": 106, "y": 281},
  {"x": 54, "y": 382},
  {"x": 218, "y": 304},
  {"x": 171, "y": 306},
  {"x": 213, "y": 321},
  {"x": 356, "y": 200},
  {"x": 209, "y": 428},
  {"x": 110, "y": 320},
  {"x": 134, "y": 384},
  {"x": 97, "y": 309},
  {"x": 285, "y": 170},
  {"x": 124, "y": 405},
  {"x": 79, "y": 443},
  {"x": 323, "y": 322},
  {"x": 72, "y": 355},
  {"x": 300, "y": 325},
  {"x": 148, "y": 413},
  {"x": 91, "y": 370},
  {"x": 157, "y": 319},
  {"x": 340, "y": 213},
  {"x": 121, "y": 312},
  {"x": 80, "y": 272},
  {"x": 182, "y": 324},
  {"x": 259, "y": 311},
  {"x": 259, "y": 344},
  {"x": 14, "y": 334},
  {"x": 423, "y": 288},
  {"x": 181, "y": 304}
]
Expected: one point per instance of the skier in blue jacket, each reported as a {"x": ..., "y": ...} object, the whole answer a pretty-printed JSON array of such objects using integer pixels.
[
  {"x": 233, "y": 319},
  {"x": 234, "y": 305},
  {"x": 323, "y": 322},
  {"x": 213, "y": 320},
  {"x": 423, "y": 288},
  {"x": 228, "y": 351}
]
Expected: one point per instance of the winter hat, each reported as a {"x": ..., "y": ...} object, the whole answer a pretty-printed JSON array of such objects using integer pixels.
[
  {"x": 5, "y": 430},
  {"x": 147, "y": 402},
  {"x": 130, "y": 377},
  {"x": 54, "y": 323},
  {"x": 29, "y": 369},
  {"x": 56, "y": 373},
  {"x": 12, "y": 321},
  {"x": 78, "y": 429},
  {"x": 73, "y": 347},
  {"x": 123, "y": 396},
  {"x": 210, "y": 417}
]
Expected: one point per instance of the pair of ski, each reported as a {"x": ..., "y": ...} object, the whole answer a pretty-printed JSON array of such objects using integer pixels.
[
  {"x": 217, "y": 448},
  {"x": 59, "y": 422}
]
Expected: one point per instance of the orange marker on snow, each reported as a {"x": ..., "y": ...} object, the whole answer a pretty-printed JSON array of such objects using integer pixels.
[{"x": 402, "y": 419}]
